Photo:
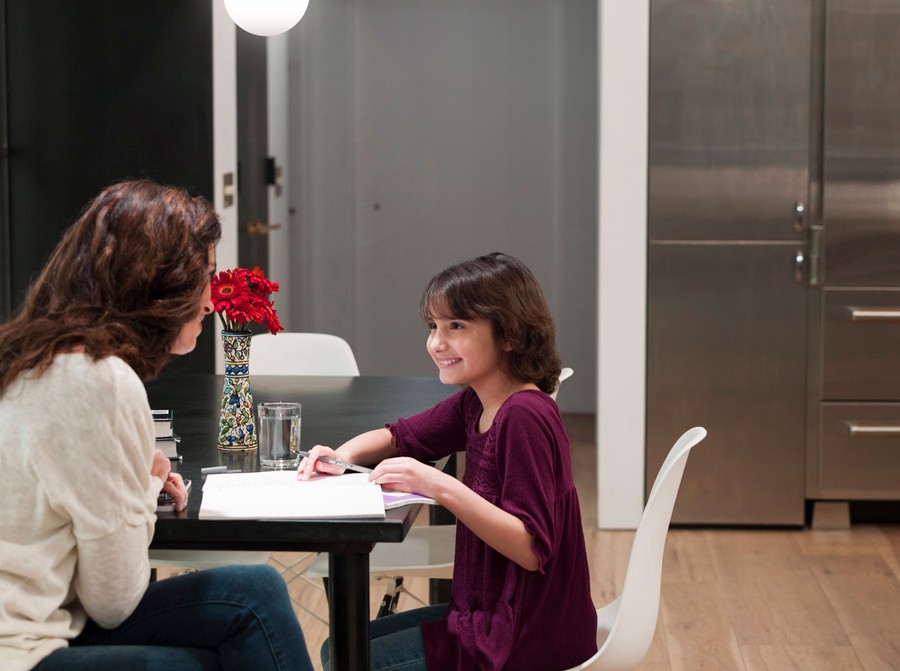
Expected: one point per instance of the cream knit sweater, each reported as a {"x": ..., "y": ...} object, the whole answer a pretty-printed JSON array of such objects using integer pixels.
[{"x": 78, "y": 503}]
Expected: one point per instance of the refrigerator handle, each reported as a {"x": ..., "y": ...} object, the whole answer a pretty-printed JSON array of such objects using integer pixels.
[
  {"x": 799, "y": 216},
  {"x": 875, "y": 431},
  {"x": 803, "y": 265},
  {"x": 799, "y": 263},
  {"x": 815, "y": 255}
]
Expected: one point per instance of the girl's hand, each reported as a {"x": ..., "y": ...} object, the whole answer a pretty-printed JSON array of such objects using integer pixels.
[
  {"x": 503, "y": 531},
  {"x": 408, "y": 475},
  {"x": 310, "y": 465}
]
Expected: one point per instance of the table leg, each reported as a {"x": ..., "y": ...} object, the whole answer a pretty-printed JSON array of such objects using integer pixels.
[
  {"x": 348, "y": 589},
  {"x": 439, "y": 590}
]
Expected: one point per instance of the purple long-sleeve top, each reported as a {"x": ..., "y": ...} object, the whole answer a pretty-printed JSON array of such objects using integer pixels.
[{"x": 501, "y": 615}]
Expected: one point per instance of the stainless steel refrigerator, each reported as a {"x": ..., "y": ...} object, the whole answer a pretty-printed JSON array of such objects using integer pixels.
[{"x": 774, "y": 253}]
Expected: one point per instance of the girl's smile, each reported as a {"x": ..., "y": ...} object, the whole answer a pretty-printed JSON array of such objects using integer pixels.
[{"x": 465, "y": 351}]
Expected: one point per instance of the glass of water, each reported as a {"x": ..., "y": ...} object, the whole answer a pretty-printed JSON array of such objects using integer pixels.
[{"x": 279, "y": 434}]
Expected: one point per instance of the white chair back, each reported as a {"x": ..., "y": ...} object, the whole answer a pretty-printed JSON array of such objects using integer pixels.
[
  {"x": 564, "y": 375},
  {"x": 625, "y": 627},
  {"x": 301, "y": 354}
]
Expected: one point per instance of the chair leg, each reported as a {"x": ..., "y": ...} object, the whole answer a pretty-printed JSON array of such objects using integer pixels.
[{"x": 391, "y": 597}]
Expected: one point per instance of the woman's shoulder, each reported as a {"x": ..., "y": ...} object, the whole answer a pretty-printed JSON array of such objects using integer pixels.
[
  {"x": 79, "y": 363},
  {"x": 104, "y": 376}
]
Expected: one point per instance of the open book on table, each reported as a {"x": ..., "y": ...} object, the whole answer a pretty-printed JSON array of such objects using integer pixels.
[{"x": 279, "y": 495}]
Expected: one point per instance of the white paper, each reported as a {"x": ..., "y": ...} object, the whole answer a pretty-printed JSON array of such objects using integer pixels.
[{"x": 279, "y": 495}]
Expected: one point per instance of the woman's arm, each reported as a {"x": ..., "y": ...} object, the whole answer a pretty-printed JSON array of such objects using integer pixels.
[
  {"x": 113, "y": 573},
  {"x": 503, "y": 531}
]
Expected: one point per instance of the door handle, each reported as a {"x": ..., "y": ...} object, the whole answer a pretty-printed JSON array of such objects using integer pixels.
[{"x": 259, "y": 228}]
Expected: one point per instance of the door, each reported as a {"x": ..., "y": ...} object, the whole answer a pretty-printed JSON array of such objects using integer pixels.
[
  {"x": 729, "y": 153},
  {"x": 727, "y": 352},
  {"x": 252, "y": 146},
  {"x": 862, "y": 143},
  {"x": 99, "y": 91}
]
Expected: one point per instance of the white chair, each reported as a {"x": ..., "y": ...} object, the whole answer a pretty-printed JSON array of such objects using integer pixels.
[
  {"x": 426, "y": 552},
  {"x": 564, "y": 375},
  {"x": 284, "y": 354},
  {"x": 626, "y": 625},
  {"x": 203, "y": 559},
  {"x": 301, "y": 354}
]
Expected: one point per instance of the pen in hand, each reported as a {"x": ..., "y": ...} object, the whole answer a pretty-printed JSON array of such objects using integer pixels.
[{"x": 338, "y": 462}]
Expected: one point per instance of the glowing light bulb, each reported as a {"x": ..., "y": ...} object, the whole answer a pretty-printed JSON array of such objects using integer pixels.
[{"x": 266, "y": 17}]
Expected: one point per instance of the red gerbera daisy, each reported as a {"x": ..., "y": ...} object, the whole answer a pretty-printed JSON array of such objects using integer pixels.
[{"x": 241, "y": 297}]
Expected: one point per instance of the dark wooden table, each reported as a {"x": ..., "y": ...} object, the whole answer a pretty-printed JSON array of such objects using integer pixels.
[{"x": 334, "y": 410}]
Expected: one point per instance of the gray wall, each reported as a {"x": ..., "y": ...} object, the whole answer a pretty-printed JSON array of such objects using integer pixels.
[{"x": 429, "y": 131}]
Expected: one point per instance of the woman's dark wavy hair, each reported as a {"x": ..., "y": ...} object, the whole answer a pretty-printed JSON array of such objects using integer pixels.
[
  {"x": 124, "y": 279},
  {"x": 501, "y": 288}
]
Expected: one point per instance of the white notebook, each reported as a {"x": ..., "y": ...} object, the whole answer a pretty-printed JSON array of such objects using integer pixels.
[{"x": 278, "y": 495}]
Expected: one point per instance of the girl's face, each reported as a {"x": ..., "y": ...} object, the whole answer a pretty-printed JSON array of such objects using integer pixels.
[
  {"x": 186, "y": 340},
  {"x": 464, "y": 351}
]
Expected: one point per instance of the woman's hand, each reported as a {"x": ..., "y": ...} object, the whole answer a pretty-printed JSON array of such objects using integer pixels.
[
  {"x": 174, "y": 487},
  {"x": 408, "y": 475},
  {"x": 173, "y": 483},
  {"x": 161, "y": 466},
  {"x": 310, "y": 465}
]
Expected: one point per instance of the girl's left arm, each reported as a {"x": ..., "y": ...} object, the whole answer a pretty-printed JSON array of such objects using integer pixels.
[{"x": 503, "y": 531}]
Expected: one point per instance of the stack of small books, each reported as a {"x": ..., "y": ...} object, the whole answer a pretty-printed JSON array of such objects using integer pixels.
[{"x": 166, "y": 440}]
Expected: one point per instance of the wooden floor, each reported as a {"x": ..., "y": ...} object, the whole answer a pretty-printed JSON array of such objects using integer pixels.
[{"x": 753, "y": 600}]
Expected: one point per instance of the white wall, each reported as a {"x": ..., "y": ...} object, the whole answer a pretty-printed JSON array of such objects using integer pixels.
[
  {"x": 321, "y": 99},
  {"x": 322, "y": 181},
  {"x": 426, "y": 132},
  {"x": 622, "y": 252},
  {"x": 224, "y": 138},
  {"x": 280, "y": 266}
]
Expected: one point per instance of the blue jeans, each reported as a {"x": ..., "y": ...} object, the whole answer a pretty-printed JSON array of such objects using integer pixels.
[
  {"x": 395, "y": 641},
  {"x": 235, "y": 617}
]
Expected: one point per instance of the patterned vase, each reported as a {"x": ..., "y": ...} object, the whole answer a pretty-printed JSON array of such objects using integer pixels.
[{"x": 237, "y": 426}]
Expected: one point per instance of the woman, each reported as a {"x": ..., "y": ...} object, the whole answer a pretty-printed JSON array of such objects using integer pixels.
[{"x": 126, "y": 288}]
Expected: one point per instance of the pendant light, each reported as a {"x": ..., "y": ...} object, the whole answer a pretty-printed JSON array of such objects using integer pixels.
[{"x": 266, "y": 17}]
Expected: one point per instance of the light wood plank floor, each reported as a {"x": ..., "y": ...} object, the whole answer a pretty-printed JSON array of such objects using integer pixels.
[{"x": 748, "y": 600}]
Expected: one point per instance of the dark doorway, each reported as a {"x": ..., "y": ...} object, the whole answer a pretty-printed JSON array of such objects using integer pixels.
[
  {"x": 252, "y": 147},
  {"x": 99, "y": 91}
]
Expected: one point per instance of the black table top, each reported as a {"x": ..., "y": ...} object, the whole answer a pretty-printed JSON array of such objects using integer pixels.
[{"x": 334, "y": 410}]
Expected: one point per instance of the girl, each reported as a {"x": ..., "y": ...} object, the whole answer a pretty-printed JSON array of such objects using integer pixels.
[
  {"x": 521, "y": 590},
  {"x": 126, "y": 288}
]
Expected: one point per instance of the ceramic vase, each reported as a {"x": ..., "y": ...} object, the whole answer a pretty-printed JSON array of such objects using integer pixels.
[{"x": 237, "y": 424}]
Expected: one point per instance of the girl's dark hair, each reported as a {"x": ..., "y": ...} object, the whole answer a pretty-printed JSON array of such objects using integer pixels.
[
  {"x": 501, "y": 288},
  {"x": 124, "y": 279}
]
